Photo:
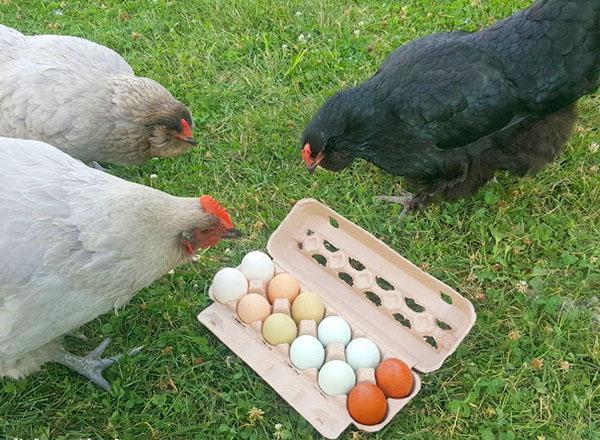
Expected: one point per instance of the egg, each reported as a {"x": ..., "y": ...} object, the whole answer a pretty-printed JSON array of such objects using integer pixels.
[
  {"x": 362, "y": 353},
  {"x": 367, "y": 404},
  {"x": 279, "y": 328},
  {"x": 257, "y": 265},
  {"x": 394, "y": 378},
  {"x": 336, "y": 377},
  {"x": 307, "y": 352},
  {"x": 229, "y": 284},
  {"x": 334, "y": 329},
  {"x": 253, "y": 307},
  {"x": 308, "y": 305},
  {"x": 283, "y": 285}
]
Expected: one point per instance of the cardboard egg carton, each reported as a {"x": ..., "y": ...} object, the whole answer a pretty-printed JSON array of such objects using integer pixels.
[{"x": 406, "y": 312}]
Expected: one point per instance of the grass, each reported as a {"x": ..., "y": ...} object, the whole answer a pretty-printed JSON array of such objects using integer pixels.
[{"x": 525, "y": 251}]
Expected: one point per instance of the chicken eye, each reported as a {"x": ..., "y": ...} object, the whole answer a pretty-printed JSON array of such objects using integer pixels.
[{"x": 187, "y": 236}]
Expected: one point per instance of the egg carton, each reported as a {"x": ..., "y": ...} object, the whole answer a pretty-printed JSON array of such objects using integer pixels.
[{"x": 406, "y": 312}]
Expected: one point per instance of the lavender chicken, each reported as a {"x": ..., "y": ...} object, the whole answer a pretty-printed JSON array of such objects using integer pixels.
[
  {"x": 75, "y": 243},
  {"x": 85, "y": 99}
]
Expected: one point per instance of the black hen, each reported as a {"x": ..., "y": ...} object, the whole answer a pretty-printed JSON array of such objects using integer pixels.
[{"x": 448, "y": 110}]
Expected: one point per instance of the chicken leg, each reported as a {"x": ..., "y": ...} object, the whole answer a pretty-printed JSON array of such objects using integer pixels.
[{"x": 91, "y": 365}]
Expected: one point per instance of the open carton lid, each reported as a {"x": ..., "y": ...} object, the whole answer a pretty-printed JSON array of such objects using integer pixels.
[{"x": 417, "y": 317}]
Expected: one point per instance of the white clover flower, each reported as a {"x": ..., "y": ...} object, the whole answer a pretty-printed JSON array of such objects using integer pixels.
[{"x": 522, "y": 286}]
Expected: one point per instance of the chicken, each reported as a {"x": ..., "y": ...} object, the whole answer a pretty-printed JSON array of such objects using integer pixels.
[
  {"x": 75, "y": 243},
  {"x": 449, "y": 110},
  {"x": 85, "y": 98}
]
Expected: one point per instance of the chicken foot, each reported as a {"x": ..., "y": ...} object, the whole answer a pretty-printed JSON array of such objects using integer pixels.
[
  {"x": 410, "y": 201},
  {"x": 91, "y": 365}
]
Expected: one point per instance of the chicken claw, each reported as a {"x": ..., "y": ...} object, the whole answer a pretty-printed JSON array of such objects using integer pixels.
[
  {"x": 91, "y": 365},
  {"x": 95, "y": 165}
]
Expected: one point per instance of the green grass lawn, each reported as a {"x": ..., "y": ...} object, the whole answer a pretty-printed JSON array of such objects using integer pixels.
[{"x": 524, "y": 251}]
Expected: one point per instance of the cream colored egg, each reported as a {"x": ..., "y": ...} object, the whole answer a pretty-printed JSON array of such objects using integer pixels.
[
  {"x": 307, "y": 352},
  {"x": 253, "y": 307},
  {"x": 308, "y": 305},
  {"x": 257, "y": 265},
  {"x": 362, "y": 353},
  {"x": 336, "y": 377},
  {"x": 283, "y": 285},
  {"x": 229, "y": 284},
  {"x": 279, "y": 328}
]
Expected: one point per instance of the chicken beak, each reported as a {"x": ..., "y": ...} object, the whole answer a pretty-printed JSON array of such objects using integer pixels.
[
  {"x": 187, "y": 140},
  {"x": 312, "y": 165},
  {"x": 232, "y": 234}
]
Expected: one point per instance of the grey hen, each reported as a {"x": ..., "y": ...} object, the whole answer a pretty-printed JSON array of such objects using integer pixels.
[
  {"x": 85, "y": 99},
  {"x": 76, "y": 243}
]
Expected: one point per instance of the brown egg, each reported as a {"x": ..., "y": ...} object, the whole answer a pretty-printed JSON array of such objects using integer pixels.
[
  {"x": 367, "y": 404},
  {"x": 283, "y": 286},
  {"x": 394, "y": 378},
  {"x": 253, "y": 307}
]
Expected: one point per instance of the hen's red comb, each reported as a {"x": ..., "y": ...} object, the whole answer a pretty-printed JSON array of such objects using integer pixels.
[
  {"x": 187, "y": 131},
  {"x": 306, "y": 153},
  {"x": 210, "y": 205}
]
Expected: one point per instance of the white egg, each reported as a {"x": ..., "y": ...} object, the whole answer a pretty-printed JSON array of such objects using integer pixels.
[
  {"x": 229, "y": 284},
  {"x": 336, "y": 377},
  {"x": 307, "y": 352},
  {"x": 362, "y": 353},
  {"x": 257, "y": 265},
  {"x": 334, "y": 329}
]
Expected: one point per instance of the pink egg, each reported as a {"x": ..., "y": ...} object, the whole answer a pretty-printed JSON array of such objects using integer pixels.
[{"x": 253, "y": 307}]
